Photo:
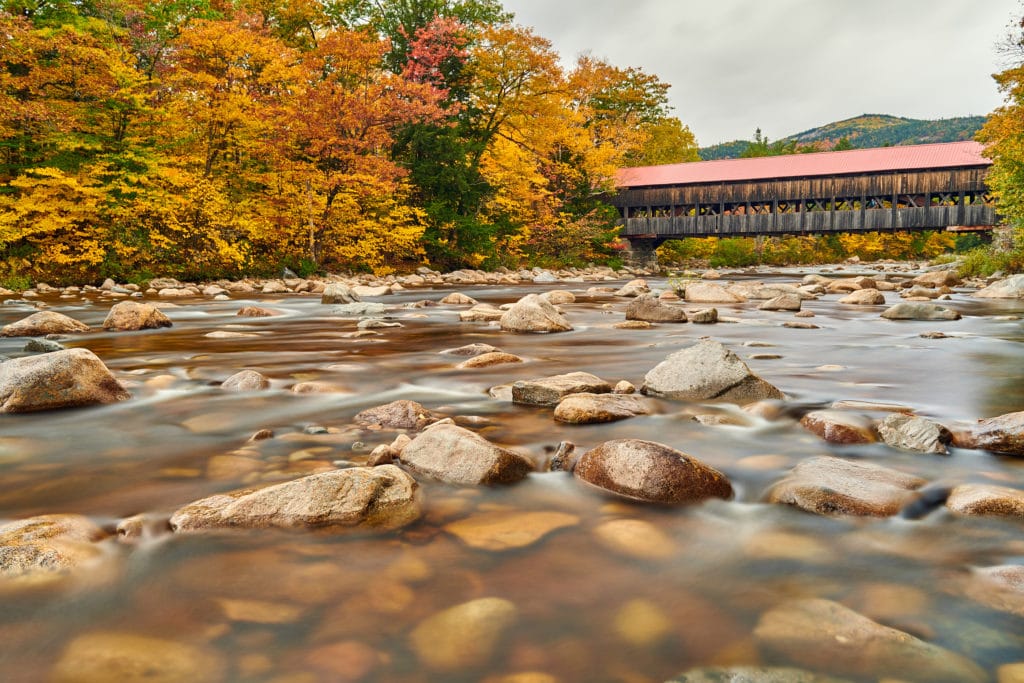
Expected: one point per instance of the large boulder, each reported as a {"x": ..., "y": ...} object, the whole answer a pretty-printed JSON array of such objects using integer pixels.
[
  {"x": 1003, "y": 434},
  {"x": 43, "y": 323},
  {"x": 548, "y": 391},
  {"x": 533, "y": 313},
  {"x": 63, "y": 379},
  {"x": 458, "y": 299},
  {"x": 710, "y": 293},
  {"x": 651, "y": 472},
  {"x": 592, "y": 408},
  {"x": 379, "y": 497},
  {"x": 783, "y": 302},
  {"x": 401, "y": 414},
  {"x": 937, "y": 278},
  {"x": 833, "y": 486},
  {"x": 1009, "y": 288},
  {"x": 47, "y": 545},
  {"x": 863, "y": 297},
  {"x": 458, "y": 456},
  {"x": 707, "y": 371},
  {"x": 915, "y": 310},
  {"x": 131, "y": 315},
  {"x": 912, "y": 433},
  {"x": 246, "y": 380},
  {"x": 338, "y": 293},
  {"x": 633, "y": 288},
  {"x": 646, "y": 307},
  {"x": 825, "y": 635}
]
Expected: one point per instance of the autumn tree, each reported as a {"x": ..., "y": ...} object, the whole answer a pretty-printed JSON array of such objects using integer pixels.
[{"x": 332, "y": 182}]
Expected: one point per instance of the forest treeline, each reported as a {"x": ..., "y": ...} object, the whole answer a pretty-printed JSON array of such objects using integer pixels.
[{"x": 215, "y": 138}]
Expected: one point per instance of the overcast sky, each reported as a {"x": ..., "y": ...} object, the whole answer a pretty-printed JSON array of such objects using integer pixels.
[{"x": 789, "y": 65}]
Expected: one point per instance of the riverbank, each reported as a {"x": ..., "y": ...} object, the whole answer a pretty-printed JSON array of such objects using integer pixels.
[{"x": 425, "y": 277}]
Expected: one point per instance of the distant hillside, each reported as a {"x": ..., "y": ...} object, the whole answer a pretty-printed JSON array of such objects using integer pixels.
[{"x": 867, "y": 130}]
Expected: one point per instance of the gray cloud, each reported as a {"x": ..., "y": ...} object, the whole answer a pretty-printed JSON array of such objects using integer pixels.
[{"x": 789, "y": 65}]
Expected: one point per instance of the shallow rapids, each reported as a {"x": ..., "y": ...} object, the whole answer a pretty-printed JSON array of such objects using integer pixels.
[{"x": 595, "y": 600}]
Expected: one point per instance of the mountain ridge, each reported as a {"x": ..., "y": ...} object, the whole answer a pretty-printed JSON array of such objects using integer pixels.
[{"x": 866, "y": 130}]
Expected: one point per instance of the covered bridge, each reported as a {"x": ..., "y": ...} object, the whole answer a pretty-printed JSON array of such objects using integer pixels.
[{"x": 919, "y": 187}]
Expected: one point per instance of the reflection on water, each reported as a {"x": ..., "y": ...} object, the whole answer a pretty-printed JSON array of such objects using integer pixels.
[{"x": 627, "y": 593}]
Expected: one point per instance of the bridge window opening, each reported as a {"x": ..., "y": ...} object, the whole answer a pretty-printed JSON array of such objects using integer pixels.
[
  {"x": 789, "y": 206},
  {"x": 846, "y": 204},
  {"x": 945, "y": 199},
  {"x": 879, "y": 203},
  {"x": 909, "y": 201}
]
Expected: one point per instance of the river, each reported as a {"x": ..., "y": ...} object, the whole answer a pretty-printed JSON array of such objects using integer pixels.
[{"x": 329, "y": 606}]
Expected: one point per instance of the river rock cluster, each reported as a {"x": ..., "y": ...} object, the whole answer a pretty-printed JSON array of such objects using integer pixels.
[{"x": 382, "y": 490}]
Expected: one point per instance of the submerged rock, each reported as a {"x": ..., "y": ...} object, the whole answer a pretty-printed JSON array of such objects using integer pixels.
[
  {"x": 378, "y": 497},
  {"x": 497, "y": 531},
  {"x": 825, "y": 635},
  {"x": 131, "y": 315},
  {"x": 833, "y": 486},
  {"x": 533, "y": 313},
  {"x": 105, "y": 656},
  {"x": 401, "y": 414},
  {"x": 459, "y": 456},
  {"x": 651, "y": 472},
  {"x": 707, "y": 371},
  {"x": 1003, "y": 434},
  {"x": 919, "y": 311},
  {"x": 43, "y": 323},
  {"x": 70, "y": 378},
  {"x": 645, "y": 307},
  {"x": 591, "y": 408},
  {"x": 464, "y": 636},
  {"x": 548, "y": 391}
]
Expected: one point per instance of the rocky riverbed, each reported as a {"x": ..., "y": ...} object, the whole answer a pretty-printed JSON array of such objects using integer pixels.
[{"x": 518, "y": 477}]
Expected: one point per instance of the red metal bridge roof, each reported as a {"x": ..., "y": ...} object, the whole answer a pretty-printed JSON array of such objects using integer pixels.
[{"x": 855, "y": 161}]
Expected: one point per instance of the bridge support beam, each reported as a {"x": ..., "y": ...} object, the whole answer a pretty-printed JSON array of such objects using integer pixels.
[{"x": 641, "y": 253}]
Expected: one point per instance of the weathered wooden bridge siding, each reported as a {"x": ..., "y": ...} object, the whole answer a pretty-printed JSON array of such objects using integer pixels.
[{"x": 914, "y": 200}]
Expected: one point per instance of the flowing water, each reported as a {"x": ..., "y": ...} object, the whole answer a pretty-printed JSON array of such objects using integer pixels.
[{"x": 329, "y": 606}]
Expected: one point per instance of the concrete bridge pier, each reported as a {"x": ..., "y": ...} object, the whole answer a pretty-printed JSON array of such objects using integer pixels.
[{"x": 641, "y": 253}]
